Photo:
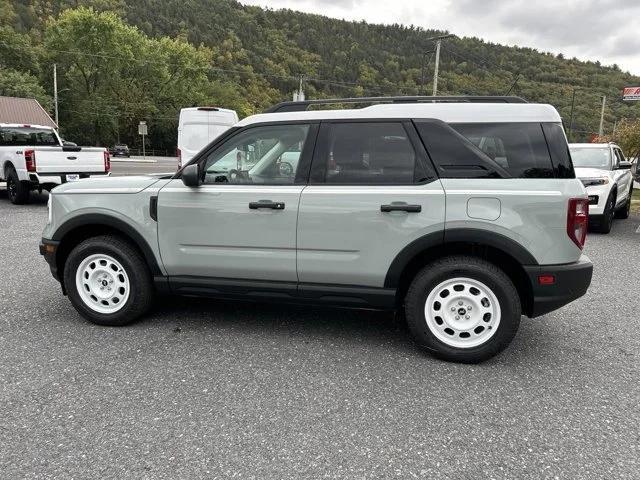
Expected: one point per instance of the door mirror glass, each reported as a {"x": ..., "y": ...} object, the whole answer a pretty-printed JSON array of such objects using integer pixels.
[{"x": 191, "y": 176}]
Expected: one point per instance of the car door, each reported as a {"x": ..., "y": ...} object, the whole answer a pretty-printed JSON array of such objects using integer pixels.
[
  {"x": 372, "y": 192},
  {"x": 622, "y": 177},
  {"x": 241, "y": 222}
]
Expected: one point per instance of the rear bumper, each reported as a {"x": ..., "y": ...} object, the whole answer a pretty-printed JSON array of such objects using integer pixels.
[
  {"x": 60, "y": 178},
  {"x": 571, "y": 282}
]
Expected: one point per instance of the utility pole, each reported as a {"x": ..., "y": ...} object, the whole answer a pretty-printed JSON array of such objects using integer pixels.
[
  {"x": 438, "y": 40},
  {"x": 601, "y": 130},
  {"x": 573, "y": 103},
  {"x": 298, "y": 96},
  {"x": 55, "y": 92}
]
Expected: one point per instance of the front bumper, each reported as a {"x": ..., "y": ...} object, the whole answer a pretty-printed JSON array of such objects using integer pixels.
[
  {"x": 598, "y": 195},
  {"x": 571, "y": 282},
  {"x": 49, "y": 249}
]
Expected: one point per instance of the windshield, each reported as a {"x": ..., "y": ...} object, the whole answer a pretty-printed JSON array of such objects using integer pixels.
[{"x": 591, "y": 157}]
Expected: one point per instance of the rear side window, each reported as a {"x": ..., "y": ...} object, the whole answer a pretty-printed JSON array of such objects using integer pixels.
[
  {"x": 519, "y": 148},
  {"x": 372, "y": 153},
  {"x": 27, "y": 136}
]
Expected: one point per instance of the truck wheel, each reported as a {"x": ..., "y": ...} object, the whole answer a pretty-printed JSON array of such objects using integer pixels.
[
  {"x": 17, "y": 191},
  {"x": 108, "y": 281},
  {"x": 626, "y": 209},
  {"x": 463, "y": 309},
  {"x": 607, "y": 217}
]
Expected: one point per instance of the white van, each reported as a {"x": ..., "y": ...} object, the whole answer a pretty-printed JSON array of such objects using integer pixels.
[{"x": 198, "y": 126}]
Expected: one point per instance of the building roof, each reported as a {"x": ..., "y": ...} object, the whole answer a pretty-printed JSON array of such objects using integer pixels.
[
  {"x": 447, "y": 112},
  {"x": 24, "y": 110}
]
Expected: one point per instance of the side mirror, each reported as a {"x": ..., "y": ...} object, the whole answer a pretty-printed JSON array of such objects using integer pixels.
[
  {"x": 191, "y": 176},
  {"x": 624, "y": 166}
]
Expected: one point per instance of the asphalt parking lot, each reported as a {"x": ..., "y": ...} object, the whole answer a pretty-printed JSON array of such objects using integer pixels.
[{"x": 218, "y": 389}]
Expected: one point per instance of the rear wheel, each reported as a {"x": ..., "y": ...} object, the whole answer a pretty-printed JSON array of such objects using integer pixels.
[
  {"x": 463, "y": 309},
  {"x": 626, "y": 209},
  {"x": 108, "y": 281},
  {"x": 17, "y": 191}
]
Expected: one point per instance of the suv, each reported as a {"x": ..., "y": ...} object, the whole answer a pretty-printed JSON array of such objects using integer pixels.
[
  {"x": 121, "y": 150},
  {"x": 606, "y": 174},
  {"x": 464, "y": 214}
]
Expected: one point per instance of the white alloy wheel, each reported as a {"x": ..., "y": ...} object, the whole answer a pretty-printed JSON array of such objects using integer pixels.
[
  {"x": 462, "y": 312},
  {"x": 102, "y": 283}
]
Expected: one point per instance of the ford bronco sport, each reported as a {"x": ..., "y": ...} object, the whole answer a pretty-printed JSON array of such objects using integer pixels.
[{"x": 464, "y": 212}]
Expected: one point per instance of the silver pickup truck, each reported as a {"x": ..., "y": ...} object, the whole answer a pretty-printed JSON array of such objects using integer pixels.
[{"x": 33, "y": 157}]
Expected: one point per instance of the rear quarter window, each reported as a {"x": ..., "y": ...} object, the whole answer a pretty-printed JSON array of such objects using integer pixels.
[{"x": 519, "y": 148}]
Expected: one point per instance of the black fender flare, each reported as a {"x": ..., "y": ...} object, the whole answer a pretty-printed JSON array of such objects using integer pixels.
[
  {"x": 472, "y": 236},
  {"x": 104, "y": 220}
]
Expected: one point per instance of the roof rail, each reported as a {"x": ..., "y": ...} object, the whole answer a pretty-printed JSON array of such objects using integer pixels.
[{"x": 303, "y": 105}]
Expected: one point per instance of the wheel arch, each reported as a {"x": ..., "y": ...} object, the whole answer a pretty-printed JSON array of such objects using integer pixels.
[
  {"x": 6, "y": 166},
  {"x": 77, "y": 229},
  {"x": 496, "y": 248}
]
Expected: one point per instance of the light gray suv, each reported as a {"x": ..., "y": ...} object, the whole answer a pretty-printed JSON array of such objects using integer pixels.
[{"x": 464, "y": 212}]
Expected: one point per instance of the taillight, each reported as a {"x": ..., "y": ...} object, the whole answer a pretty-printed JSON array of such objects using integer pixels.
[
  {"x": 179, "y": 155},
  {"x": 578, "y": 220},
  {"x": 107, "y": 161},
  {"x": 30, "y": 160}
]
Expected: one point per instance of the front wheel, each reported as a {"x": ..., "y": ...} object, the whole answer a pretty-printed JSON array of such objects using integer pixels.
[
  {"x": 609, "y": 212},
  {"x": 108, "y": 281},
  {"x": 624, "y": 212},
  {"x": 463, "y": 309}
]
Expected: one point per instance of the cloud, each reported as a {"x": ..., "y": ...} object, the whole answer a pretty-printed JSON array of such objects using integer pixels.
[{"x": 604, "y": 30}]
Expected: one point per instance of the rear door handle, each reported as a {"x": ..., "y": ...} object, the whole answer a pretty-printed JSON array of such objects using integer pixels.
[
  {"x": 266, "y": 204},
  {"x": 401, "y": 207}
]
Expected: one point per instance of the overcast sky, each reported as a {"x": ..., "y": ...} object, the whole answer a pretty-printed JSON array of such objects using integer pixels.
[{"x": 605, "y": 30}]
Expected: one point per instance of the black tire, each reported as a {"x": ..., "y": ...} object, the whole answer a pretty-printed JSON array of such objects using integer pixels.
[
  {"x": 140, "y": 283},
  {"x": 17, "y": 191},
  {"x": 624, "y": 212},
  {"x": 607, "y": 217},
  {"x": 472, "y": 268}
]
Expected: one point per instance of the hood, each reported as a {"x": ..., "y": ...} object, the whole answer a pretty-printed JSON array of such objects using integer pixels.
[
  {"x": 583, "y": 172},
  {"x": 133, "y": 184}
]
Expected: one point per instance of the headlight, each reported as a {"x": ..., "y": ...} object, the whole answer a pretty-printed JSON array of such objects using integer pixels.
[
  {"x": 588, "y": 182},
  {"x": 49, "y": 207}
]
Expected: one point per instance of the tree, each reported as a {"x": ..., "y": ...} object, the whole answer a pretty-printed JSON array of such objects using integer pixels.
[{"x": 627, "y": 135}]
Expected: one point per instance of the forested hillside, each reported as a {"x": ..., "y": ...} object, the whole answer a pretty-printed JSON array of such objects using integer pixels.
[{"x": 144, "y": 59}]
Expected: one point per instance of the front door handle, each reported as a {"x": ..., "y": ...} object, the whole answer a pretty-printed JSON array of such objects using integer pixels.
[
  {"x": 266, "y": 204},
  {"x": 401, "y": 207}
]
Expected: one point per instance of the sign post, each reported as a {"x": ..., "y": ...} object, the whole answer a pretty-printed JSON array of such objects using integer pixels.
[{"x": 142, "y": 130}]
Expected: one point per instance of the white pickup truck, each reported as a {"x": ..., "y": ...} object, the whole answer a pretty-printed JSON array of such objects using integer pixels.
[{"x": 33, "y": 157}]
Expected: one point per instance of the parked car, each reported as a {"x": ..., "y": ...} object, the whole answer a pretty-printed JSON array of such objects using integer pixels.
[
  {"x": 33, "y": 157},
  {"x": 606, "y": 174},
  {"x": 199, "y": 126},
  {"x": 121, "y": 150},
  {"x": 464, "y": 214}
]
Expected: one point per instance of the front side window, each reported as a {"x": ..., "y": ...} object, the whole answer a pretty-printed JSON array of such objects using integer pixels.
[
  {"x": 369, "y": 154},
  {"x": 590, "y": 157},
  {"x": 266, "y": 154}
]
